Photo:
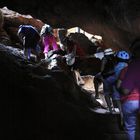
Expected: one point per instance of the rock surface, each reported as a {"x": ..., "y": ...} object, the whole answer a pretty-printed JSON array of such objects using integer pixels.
[
  {"x": 41, "y": 104},
  {"x": 116, "y": 21},
  {"x": 11, "y": 22}
]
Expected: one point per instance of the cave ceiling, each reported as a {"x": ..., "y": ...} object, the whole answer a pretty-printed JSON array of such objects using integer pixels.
[{"x": 117, "y": 21}]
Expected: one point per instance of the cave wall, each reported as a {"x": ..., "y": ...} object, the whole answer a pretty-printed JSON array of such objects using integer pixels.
[
  {"x": 30, "y": 113},
  {"x": 117, "y": 21}
]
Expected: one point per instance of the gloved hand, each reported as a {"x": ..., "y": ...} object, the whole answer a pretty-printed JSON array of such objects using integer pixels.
[{"x": 70, "y": 59}]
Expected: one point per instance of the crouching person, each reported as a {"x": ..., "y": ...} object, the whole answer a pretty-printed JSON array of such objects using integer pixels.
[{"x": 30, "y": 40}]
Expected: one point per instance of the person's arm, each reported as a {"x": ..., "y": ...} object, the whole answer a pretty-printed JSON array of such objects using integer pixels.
[
  {"x": 124, "y": 91},
  {"x": 120, "y": 88},
  {"x": 20, "y": 35},
  {"x": 118, "y": 84},
  {"x": 24, "y": 41}
]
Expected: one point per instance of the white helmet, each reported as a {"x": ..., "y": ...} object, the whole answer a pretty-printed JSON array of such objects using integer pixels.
[{"x": 108, "y": 51}]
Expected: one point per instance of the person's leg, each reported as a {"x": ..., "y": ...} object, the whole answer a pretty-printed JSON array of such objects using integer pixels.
[
  {"x": 37, "y": 52},
  {"x": 25, "y": 51},
  {"x": 130, "y": 110},
  {"x": 96, "y": 86},
  {"x": 119, "y": 106},
  {"x": 29, "y": 53},
  {"x": 107, "y": 94},
  {"x": 27, "y": 42},
  {"x": 109, "y": 103},
  {"x": 76, "y": 70}
]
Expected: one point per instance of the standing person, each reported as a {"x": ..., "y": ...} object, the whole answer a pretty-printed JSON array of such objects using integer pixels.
[
  {"x": 30, "y": 39},
  {"x": 48, "y": 40},
  {"x": 122, "y": 58},
  {"x": 107, "y": 69},
  {"x": 129, "y": 87}
]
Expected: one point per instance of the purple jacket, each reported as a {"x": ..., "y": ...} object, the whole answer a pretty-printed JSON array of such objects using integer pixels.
[{"x": 49, "y": 43}]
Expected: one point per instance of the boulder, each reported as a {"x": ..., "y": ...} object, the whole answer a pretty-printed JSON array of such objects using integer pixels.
[{"x": 84, "y": 42}]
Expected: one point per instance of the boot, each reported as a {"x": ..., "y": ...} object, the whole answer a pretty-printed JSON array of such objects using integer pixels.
[{"x": 109, "y": 103}]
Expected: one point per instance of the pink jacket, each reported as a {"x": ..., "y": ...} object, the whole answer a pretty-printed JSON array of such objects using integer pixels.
[{"x": 49, "y": 43}]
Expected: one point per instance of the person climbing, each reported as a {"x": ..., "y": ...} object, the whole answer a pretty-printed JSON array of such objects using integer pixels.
[
  {"x": 30, "y": 40},
  {"x": 129, "y": 88},
  {"x": 48, "y": 41},
  {"x": 107, "y": 65},
  {"x": 107, "y": 69},
  {"x": 122, "y": 60},
  {"x": 74, "y": 54}
]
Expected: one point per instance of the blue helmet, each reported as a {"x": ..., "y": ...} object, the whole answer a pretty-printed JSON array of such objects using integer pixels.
[{"x": 123, "y": 55}]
